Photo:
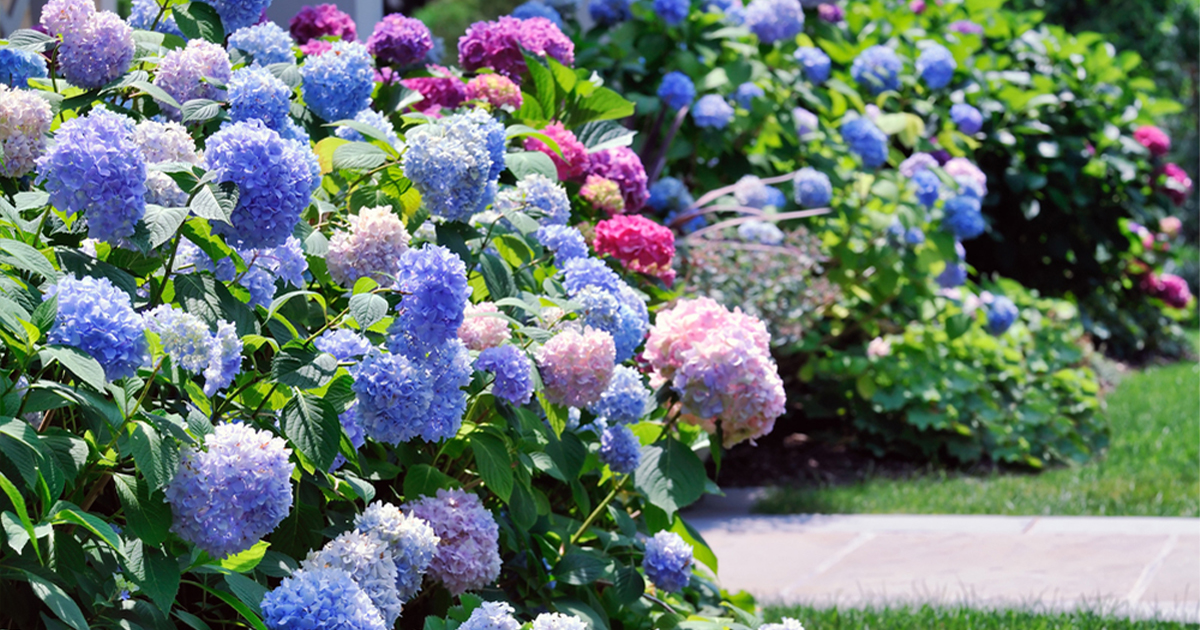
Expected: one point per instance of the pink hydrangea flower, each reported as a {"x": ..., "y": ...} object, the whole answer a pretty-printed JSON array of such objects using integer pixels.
[
  {"x": 604, "y": 194},
  {"x": 1170, "y": 226},
  {"x": 966, "y": 27},
  {"x": 498, "y": 45},
  {"x": 917, "y": 6},
  {"x": 623, "y": 166},
  {"x": 443, "y": 89},
  {"x": 830, "y": 13},
  {"x": 315, "y": 47},
  {"x": 574, "y": 159},
  {"x": 1154, "y": 139},
  {"x": 576, "y": 366},
  {"x": 371, "y": 248},
  {"x": 481, "y": 331},
  {"x": 496, "y": 89},
  {"x": 639, "y": 243},
  {"x": 965, "y": 172},
  {"x": 1173, "y": 290},
  {"x": 319, "y": 21},
  {"x": 1178, "y": 185}
]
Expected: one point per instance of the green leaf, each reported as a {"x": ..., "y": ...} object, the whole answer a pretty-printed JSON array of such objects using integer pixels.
[
  {"x": 603, "y": 104},
  {"x": 543, "y": 83},
  {"x": 31, "y": 40},
  {"x": 216, "y": 201},
  {"x": 57, "y": 601},
  {"x": 18, "y": 501},
  {"x": 368, "y": 309},
  {"x": 154, "y": 457},
  {"x": 198, "y": 20},
  {"x": 522, "y": 507},
  {"x": 604, "y": 134},
  {"x": 200, "y": 110},
  {"x": 629, "y": 585},
  {"x": 81, "y": 364},
  {"x": 80, "y": 264},
  {"x": 303, "y": 367},
  {"x": 358, "y": 156},
  {"x": 700, "y": 549},
  {"x": 155, "y": 92},
  {"x": 156, "y": 574},
  {"x": 494, "y": 462},
  {"x": 70, "y": 513},
  {"x": 498, "y": 277},
  {"x": 423, "y": 480},
  {"x": 580, "y": 567},
  {"x": 525, "y": 163},
  {"x": 207, "y": 298},
  {"x": 245, "y": 561},
  {"x": 163, "y": 223},
  {"x": 250, "y": 592},
  {"x": 311, "y": 423},
  {"x": 250, "y": 614},
  {"x": 147, "y": 515},
  {"x": 26, "y": 258},
  {"x": 670, "y": 475},
  {"x": 367, "y": 130}
]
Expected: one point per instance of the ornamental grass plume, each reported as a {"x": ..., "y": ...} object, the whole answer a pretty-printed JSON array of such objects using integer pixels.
[
  {"x": 626, "y": 399},
  {"x": 640, "y": 244},
  {"x": 323, "y": 20},
  {"x": 814, "y": 62},
  {"x": 624, "y": 167},
  {"x": 573, "y": 162},
  {"x": 712, "y": 112},
  {"x": 193, "y": 73},
  {"x": 236, "y": 490},
  {"x": 620, "y": 449},
  {"x": 400, "y": 41},
  {"x": 668, "y": 561},
  {"x": 410, "y": 540},
  {"x": 320, "y": 599},
  {"x": 24, "y": 122},
  {"x": 576, "y": 366},
  {"x": 369, "y": 562},
  {"x": 935, "y": 65},
  {"x": 512, "y": 370},
  {"x": 468, "y": 556},
  {"x": 371, "y": 248},
  {"x": 98, "y": 318},
  {"x": 499, "y": 44},
  {"x": 480, "y": 330},
  {"x": 266, "y": 43},
  {"x": 338, "y": 82},
  {"x": 775, "y": 20},
  {"x": 454, "y": 163},
  {"x": 878, "y": 69}
]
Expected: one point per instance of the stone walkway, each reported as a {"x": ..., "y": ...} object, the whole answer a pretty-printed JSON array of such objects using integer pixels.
[{"x": 1127, "y": 566}]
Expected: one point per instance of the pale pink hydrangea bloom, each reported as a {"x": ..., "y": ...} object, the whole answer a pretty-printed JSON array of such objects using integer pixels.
[
  {"x": 371, "y": 247},
  {"x": 966, "y": 173},
  {"x": 24, "y": 123},
  {"x": 879, "y": 347},
  {"x": 496, "y": 89},
  {"x": 1170, "y": 226},
  {"x": 576, "y": 366},
  {"x": 481, "y": 331}
]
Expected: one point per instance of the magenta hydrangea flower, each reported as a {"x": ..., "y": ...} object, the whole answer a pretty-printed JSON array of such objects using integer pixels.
[
  {"x": 624, "y": 167},
  {"x": 480, "y": 330},
  {"x": 639, "y": 243},
  {"x": 323, "y": 20},
  {"x": 468, "y": 556},
  {"x": 498, "y": 45},
  {"x": 182, "y": 73},
  {"x": 574, "y": 159},
  {"x": 400, "y": 41},
  {"x": 442, "y": 89},
  {"x": 577, "y": 366},
  {"x": 370, "y": 248},
  {"x": 1154, "y": 139}
]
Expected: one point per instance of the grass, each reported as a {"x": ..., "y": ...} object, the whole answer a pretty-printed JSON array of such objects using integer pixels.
[
  {"x": 1151, "y": 468},
  {"x": 933, "y": 618}
]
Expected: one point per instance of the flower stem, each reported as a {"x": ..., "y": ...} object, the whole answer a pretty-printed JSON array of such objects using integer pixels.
[{"x": 596, "y": 512}]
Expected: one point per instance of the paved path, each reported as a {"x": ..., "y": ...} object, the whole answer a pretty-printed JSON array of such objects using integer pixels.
[{"x": 1129, "y": 566}]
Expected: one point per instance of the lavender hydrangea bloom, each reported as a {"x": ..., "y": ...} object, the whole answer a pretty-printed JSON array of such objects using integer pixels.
[
  {"x": 963, "y": 217},
  {"x": 537, "y": 8},
  {"x": 1001, "y": 314},
  {"x": 400, "y": 41},
  {"x": 95, "y": 168},
  {"x": 224, "y": 360},
  {"x": 609, "y": 12},
  {"x": 558, "y": 621},
  {"x": 542, "y": 198},
  {"x": 623, "y": 166},
  {"x": 434, "y": 282},
  {"x": 866, "y": 140},
  {"x": 745, "y": 94},
  {"x": 24, "y": 123},
  {"x": 185, "y": 337},
  {"x": 255, "y": 93},
  {"x": 453, "y": 162},
  {"x": 668, "y": 561},
  {"x": 343, "y": 343},
  {"x": 672, "y": 11},
  {"x": 468, "y": 556},
  {"x": 751, "y": 192},
  {"x": 677, "y": 90},
  {"x": 815, "y": 62},
  {"x": 775, "y": 20},
  {"x": 338, "y": 82},
  {"x": 916, "y": 163},
  {"x": 286, "y": 261},
  {"x": 447, "y": 368},
  {"x": 491, "y": 616},
  {"x": 17, "y": 67},
  {"x": 812, "y": 188},
  {"x": 929, "y": 187},
  {"x": 712, "y": 112},
  {"x": 625, "y": 400},
  {"x": 274, "y": 178},
  {"x": 966, "y": 27},
  {"x": 393, "y": 398},
  {"x": 66, "y": 16},
  {"x": 668, "y": 194},
  {"x": 968, "y": 119},
  {"x": 162, "y": 142},
  {"x": 806, "y": 122},
  {"x": 878, "y": 68},
  {"x": 190, "y": 73},
  {"x": 237, "y": 14},
  {"x": 513, "y": 371},
  {"x": 234, "y": 492},
  {"x": 620, "y": 449},
  {"x": 98, "y": 52},
  {"x": 320, "y": 599},
  {"x": 266, "y": 43},
  {"x": 936, "y": 66},
  {"x": 411, "y": 541},
  {"x": 369, "y": 562},
  {"x": 98, "y": 318},
  {"x": 565, "y": 241},
  {"x": 142, "y": 14},
  {"x": 261, "y": 285},
  {"x": 955, "y": 275}
]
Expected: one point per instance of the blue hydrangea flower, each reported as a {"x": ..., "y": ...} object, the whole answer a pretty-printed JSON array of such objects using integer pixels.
[
  {"x": 696, "y": 222},
  {"x": 609, "y": 12},
  {"x": 1001, "y": 314},
  {"x": 581, "y": 272},
  {"x": 374, "y": 119},
  {"x": 354, "y": 431},
  {"x": 229, "y": 495},
  {"x": 542, "y": 198},
  {"x": 369, "y": 562},
  {"x": 604, "y": 311},
  {"x": 185, "y": 337},
  {"x": 625, "y": 400},
  {"x": 955, "y": 275},
  {"x": 491, "y": 616},
  {"x": 286, "y": 261},
  {"x": 194, "y": 72},
  {"x": 935, "y": 66},
  {"x": 343, "y": 343},
  {"x": 677, "y": 90},
  {"x": 98, "y": 52},
  {"x": 454, "y": 161},
  {"x": 764, "y": 232},
  {"x": 914, "y": 236},
  {"x": 964, "y": 217},
  {"x": 775, "y": 20},
  {"x": 257, "y": 94},
  {"x": 320, "y": 599},
  {"x": 433, "y": 280},
  {"x": 411, "y": 541},
  {"x": 338, "y": 82},
  {"x": 712, "y": 112},
  {"x": 878, "y": 69},
  {"x": 224, "y": 359},
  {"x": 142, "y": 14},
  {"x": 448, "y": 368},
  {"x": 745, "y": 94},
  {"x": 266, "y": 43},
  {"x": 261, "y": 285},
  {"x": 537, "y": 8},
  {"x": 98, "y": 318},
  {"x": 811, "y": 188},
  {"x": 929, "y": 187},
  {"x": 274, "y": 179},
  {"x": 672, "y": 11},
  {"x": 968, "y": 119},
  {"x": 565, "y": 241},
  {"x": 94, "y": 167},
  {"x": 669, "y": 194},
  {"x": 238, "y": 14},
  {"x": 668, "y": 561},
  {"x": 815, "y": 63},
  {"x": 806, "y": 122},
  {"x": 513, "y": 372},
  {"x": 393, "y": 398},
  {"x": 866, "y": 140},
  {"x": 620, "y": 449},
  {"x": 17, "y": 67},
  {"x": 895, "y": 231}
]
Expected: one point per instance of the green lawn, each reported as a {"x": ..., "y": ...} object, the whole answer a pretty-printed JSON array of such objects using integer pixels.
[
  {"x": 929, "y": 618},
  {"x": 1152, "y": 468}
]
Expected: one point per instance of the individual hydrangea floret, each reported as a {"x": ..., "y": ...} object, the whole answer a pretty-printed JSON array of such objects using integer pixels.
[
  {"x": 672, "y": 11},
  {"x": 513, "y": 373},
  {"x": 936, "y": 66},
  {"x": 762, "y": 232},
  {"x": 455, "y": 161},
  {"x": 323, "y": 20},
  {"x": 669, "y": 194},
  {"x": 967, "y": 118},
  {"x": 624, "y": 167},
  {"x": 491, "y": 616},
  {"x": 480, "y": 330},
  {"x": 410, "y": 540},
  {"x": 815, "y": 62},
  {"x": 574, "y": 160},
  {"x": 537, "y": 8},
  {"x": 98, "y": 318},
  {"x": 1001, "y": 314},
  {"x": 676, "y": 90},
  {"x": 559, "y": 621},
  {"x": 878, "y": 69},
  {"x": 1154, "y": 139},
  {"x": 603, "y": 193},
  {"x": 497, "y": 90},
  {"x": 565, "y": 241},
  {"x": 620, "y": 449},
  {"x": 929, "y": 187},
  {"x": 400, "y": 41},
  {"x": 468, "y": 557},
  {"x": 812, "y": 188},
  {"x": 668, "y": 561},
  {"x": 745, "y": 94},
  {"x": 625, "y": 400},
  {"x": 24, "y": 122},
  {"x": 338, "y": 83},
  {"x": 866, "y": 140},
  {"x": 95, "y": 168},
  {"x": 320, "y": 599},
  {"x": 18, "y": 66},
  {"x": 443, "y": 89},
  {"x": 806, "y": 122},
  {"x": 610, "y": 12},
  {"x": 266, "y": 43},
  {"x": 433, "y": 281},
  {"x": 369, "y": 562},
  {"x": 576, "y": 366},
  {"x": 639, "y": 243},
  {"x": 185, "y": 337},
  {"x": 963, "y": 217},
  {"x": 98, "y": 52},
  {"x": 343, "y": 343},
  {"x": 370, "y": 248},
  {"x": 499, "y": 44},
  {"x": 229, "y": 495},
  {"x": 712, "y": 112},
  {"x": 255, "y": 93},
  {"x": 775, "y": 20},
  {"x": 193, "y": 73}
]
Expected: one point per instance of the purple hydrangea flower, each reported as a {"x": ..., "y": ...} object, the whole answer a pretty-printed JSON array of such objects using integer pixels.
[
  {"x": 677, "y": 90},
  {"x": 955, "y": 275},
  {"x": 917, "y": 162},
  {"x": 830, "y": 13},
  {"x": 672, "y": 11},
  {"x": 929, "y": 187},
  {"x": 499, "y": 44},
  {"x": 338, "y": 82},
  {"x": 936, "y": 66},
  {"x": 966, "y": 27},
  {"x": 98, "y": 318},
  {"x": 764, "y": 232},
  {"x": 468, "y": 557},
  {"x": 668, "y": 561},
  {"x": 411, "y": 541},
  {"x": 320, "y": 599},
  {"x": 98, "y": 52},
  {"x": 603, "y": 310},
  {"x": 746, "y": 93},
  {"x": 775, "y": 20},
  {"x": 878, "y": 69},
  {"x": 323, "y": 20},
  {"x": 400, "y": 41},
  {"x": 620, "y": 449},
  {"x": 374, "y": 119},
  {"x": 142, "y": 14},
  {"x": 751, "y": 192},
  {"x": 540, "y": 197},
  {"x": 669, "y": 194},
  {"x": 393, "y": 398},
  {"x": 866, "y": 140},
  {"x": 624, "y": 167},
  {"x": 968, "y": 119},
  {"x": 434, "y": 283},
  {"x": 66, "y": 16},
  {"x": 190, "y": 73},
  {"x": 581, "y": 272},
  {"x": 815, "y": 62},
  {"x": 806, "y": 122},
  {"x": 491, "y": 616},
  {"x": 610, "y": 12},
  {"x": 914, "y": 236},
  {"x": 712, "y": 112},
  {"x": 237, "y": 14},
  {"x": 513, "y": 371},
  {"x": 343, "y": 343},
  {"x": 24, "y": 123},
  {"x": 224, "y": 359},
  {"x": 185, "y": 337}
]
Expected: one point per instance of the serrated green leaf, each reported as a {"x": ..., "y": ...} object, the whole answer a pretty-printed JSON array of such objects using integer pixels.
[{"x": 312, "y": 425}]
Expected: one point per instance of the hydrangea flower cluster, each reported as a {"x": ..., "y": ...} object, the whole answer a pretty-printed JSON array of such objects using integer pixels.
[
  {"x": 639, "y": 243},
  {"x": 399, "y": 40},
  {"x": 603, "y": 193},
  {"x": 491, "y": 616},
  {"x": 142, "y": 14},
  {"x": 17, "y": 67},
  {"x": 393, "y": 398},
  {"x": 668, "y": 561},
  {"x": 866, "y": 141},
  {"x": 669, "y": 194},
  {"x": 225, "y": 359},
  {"x": 324, "y": 599},
  {"x": 576, "y": 366},
  {"x": 185, "y": 337},
  {"x": 916, "y": 163},
  {"x": 624, "y": 167},
  {"x": 497, "y": 90},
  {"x": 454, "y": 162},
  {"x": 410, "y": 540},
  {"x": 266, "y": 43},
  {"x": 235, "y": 491},
  {"x": 1177, "y": 183},
  {"x": 775, "y": 20},
  {"x": 672, "y": 11},
  {"x": 968, "y": 119},
  {"x": 565, "y": 241},
  {"x": 609, "y": 312},
  {"x": 513, "y": 373},
  {"x": 963, "y": 217},
  {"x": 468, "y": 556},
  {"x": 98, "y": 318},
  {"x": 745, "y": 94},
  {"x": 323, "y": 20},
  {"x": 720, "y": 364},
  {"x": 370, "y": 248},
  {"x": 806, "y": 122},
  {"x": 1154, "y": 139},
  {"x": 574, "y": 160},
  {"x": 441, "y": 90},
  {"x": 274, "y": 177},
  {"x": 24, "y": 122},
  {"x": 966, "y": 27},
  {"x": 558, "y": 621},
  {"x": 97, "y": 46},
  {"x": 479, "y": 330},
  {"x": 936, "y": 66},
  {"x": 343, "y": 343},
  {"x": 610, "y": 12},
  {"x": 815, "y": 63},
  {"x": 257, "y": 94},
  {"x": 677, "y": 90},
  {"x": 537, "y": 8},
  {"x": 812, "y": 188},
  {"x": 969, "y": 177},
  {"x": 95, "y": 168},
  {"x": 763, "y": 232},
  {"x": 542, "y": 198},
  {"x": 374, "y": 119},
  {"x": 750, "y": 191},
  {"x": 712, "y": 112},
  {"x": 192, "y": 73},
  {"x": 1169, "y": 288},
  {"x": 831, "y": 13},
  {"x": 620, "y": 449},
  {"x": 369, "y": 563},
  {"x": 1001, "y": 314},
  {"x": 164, "y": 142},
  {"x": 929, "y": 187},
  {"x": 878, "y": 68},
  {"x": 434, "y": 283},
  {"x": 498, "y": 45},
  {"x": 338, "y": 82},
  {"x": 625, "y": 400},
  {"x": 581, "y": 272}
]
